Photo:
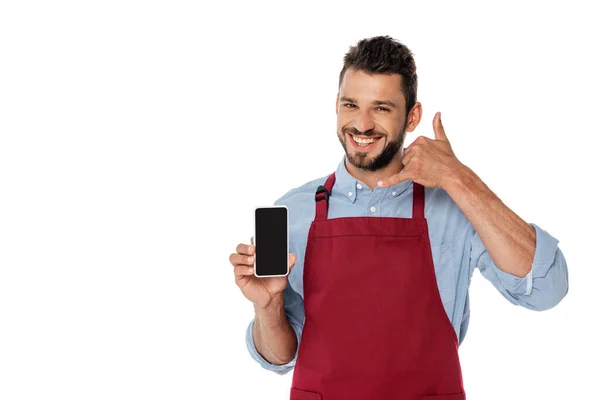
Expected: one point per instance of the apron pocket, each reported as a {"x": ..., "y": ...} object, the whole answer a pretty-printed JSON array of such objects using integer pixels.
[
  {"x": 297, "y": 394},
  {"x": 456, "y": 396}
]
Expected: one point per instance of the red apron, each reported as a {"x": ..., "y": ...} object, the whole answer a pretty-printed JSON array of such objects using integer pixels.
[{"x": 375, "y": 325}]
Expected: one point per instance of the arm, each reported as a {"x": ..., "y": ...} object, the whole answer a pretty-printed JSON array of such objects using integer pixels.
[
  {"x": 510, "y": 240},
  {"x": 519, "y": 258},
  {"x": 543, "y": 288},
  {"x": 273, "y": 335},
  {"x": 522, "y": 260}
]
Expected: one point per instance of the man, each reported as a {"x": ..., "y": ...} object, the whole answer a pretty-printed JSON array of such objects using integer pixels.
[{"x": 376, "y": 302}]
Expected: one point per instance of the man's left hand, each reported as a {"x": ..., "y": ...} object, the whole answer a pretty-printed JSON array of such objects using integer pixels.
[{"x": 431, "y": 163}]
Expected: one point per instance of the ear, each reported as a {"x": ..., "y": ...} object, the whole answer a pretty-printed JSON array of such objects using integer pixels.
[{"x": 414, "y": 117}]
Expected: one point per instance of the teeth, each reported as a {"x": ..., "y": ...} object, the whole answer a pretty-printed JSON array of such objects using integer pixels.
[{"x": 362, "y": 141}]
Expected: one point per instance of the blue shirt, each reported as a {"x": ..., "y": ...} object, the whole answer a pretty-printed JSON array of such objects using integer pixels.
[{"x": 456, "y": 247}]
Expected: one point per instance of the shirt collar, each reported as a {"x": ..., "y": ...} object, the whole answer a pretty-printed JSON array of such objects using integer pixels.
[{"x": 349, "y": 185}]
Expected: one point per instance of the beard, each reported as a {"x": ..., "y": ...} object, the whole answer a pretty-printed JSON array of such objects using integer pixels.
[{"x": 362, "y": 160}]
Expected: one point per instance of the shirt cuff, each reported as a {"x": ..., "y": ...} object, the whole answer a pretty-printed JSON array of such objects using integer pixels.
[
  {"x": 545, "y": 249},
  {"x": 279, "y": 369}
]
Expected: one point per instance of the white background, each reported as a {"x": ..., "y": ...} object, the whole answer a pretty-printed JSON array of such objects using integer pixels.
[{"x": 137, "y": 137}]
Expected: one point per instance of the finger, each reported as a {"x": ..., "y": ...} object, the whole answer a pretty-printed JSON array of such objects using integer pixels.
[
  {"x": 438, "y": 128},
  {"x": 406, "y": 162},
  {"x": 414, "y": 148},
  {"x": 241, "y": 259},
  {"x": 403, "y": 175},
  {"x": 252, "y": 240},
  {"x": 243, "y": 270},
  {"x": 245, "y": 249},
  {"x": 417, "y": 145}
]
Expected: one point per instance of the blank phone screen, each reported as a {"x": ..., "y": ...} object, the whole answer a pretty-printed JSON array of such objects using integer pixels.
[{"x": 271, "y": 241}]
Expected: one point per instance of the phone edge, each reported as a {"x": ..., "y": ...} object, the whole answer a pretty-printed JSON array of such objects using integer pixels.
[{"x": 287, "y": 241}]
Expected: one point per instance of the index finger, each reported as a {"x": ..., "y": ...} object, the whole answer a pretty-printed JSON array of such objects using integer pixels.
[
  {"x": 403, "y": 175},
  {"x": 245, "y": 249}
]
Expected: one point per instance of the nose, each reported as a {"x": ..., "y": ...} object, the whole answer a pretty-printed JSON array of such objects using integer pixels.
[{"x": 363, "y": 122}]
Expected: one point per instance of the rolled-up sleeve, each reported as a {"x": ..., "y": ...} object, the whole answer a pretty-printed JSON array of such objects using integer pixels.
[
  {"x": 294, "y": 310},
  {"x": 545, "y": 285}
]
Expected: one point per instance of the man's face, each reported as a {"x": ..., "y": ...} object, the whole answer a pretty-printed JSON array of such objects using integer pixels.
[{"x": 371, "y": 118}]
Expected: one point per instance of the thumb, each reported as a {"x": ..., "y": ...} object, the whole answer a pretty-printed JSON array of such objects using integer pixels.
[
  {"x": 438, "y": 128},
  {"x": 291, "y": 260}
]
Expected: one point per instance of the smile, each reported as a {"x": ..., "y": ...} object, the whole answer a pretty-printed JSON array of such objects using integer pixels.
[{"x": 363, "y": 143}]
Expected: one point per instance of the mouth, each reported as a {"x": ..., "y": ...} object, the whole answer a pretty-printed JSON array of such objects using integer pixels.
[{"x": 363, "y": 143}]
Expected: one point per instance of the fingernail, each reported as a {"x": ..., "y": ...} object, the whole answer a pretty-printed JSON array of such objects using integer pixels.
[
  {"x": 249, "y": 249},
  {"x": 250, "y": 259},
  {"x": 249, "y": 270}
]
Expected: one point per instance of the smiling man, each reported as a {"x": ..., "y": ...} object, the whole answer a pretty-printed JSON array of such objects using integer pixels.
[{"x": 383, "y": 249}]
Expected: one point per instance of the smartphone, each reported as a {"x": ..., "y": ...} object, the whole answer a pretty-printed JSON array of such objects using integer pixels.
[{"x": 271, "y": 240}]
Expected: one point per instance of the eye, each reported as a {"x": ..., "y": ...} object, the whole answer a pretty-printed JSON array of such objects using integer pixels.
[
  {"x": 349, "y": 105},
  {"x": 382, "y": 109}
]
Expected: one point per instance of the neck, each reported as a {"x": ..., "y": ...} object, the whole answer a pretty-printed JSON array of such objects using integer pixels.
[{"x": 370, "y": 178}]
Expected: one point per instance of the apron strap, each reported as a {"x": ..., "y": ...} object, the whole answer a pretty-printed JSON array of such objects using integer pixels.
[
  {"x": 324, "y": 192},
  {"x": 418, "y": 201}
]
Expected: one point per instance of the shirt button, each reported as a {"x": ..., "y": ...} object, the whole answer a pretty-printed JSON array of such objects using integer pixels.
[
  {"x": 359, "y": 186},
  {"x": 349, "y": 193},
  {"x": 393, "y": 193},
  {"x": 372, "y": 209}
]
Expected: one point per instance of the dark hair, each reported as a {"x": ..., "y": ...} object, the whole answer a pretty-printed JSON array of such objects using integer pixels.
[{"x": 384, "y": 55}]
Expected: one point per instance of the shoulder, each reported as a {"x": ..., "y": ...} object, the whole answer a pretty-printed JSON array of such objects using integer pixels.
[
  {"x": 438, "y": 197},
  {"x": 446, "y": 220},
  {"x": 439, "y": 204},
  {"x": 301, "y": 193},
  {"x": 300, "y": 202}
]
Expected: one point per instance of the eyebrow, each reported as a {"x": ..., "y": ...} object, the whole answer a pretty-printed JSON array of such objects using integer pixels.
[{"x": 375, "y": 102}]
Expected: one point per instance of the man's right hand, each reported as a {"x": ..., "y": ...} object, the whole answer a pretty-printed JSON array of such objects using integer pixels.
[{"x": 260, "y": 291}]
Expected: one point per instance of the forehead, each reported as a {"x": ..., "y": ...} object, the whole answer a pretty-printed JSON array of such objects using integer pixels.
[{"x": 359, "y": 84}]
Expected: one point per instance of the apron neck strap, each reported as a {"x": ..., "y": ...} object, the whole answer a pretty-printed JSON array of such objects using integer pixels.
[
  {"x": 322, "y": 198},
  {"x": 418, "y": 201},
  {"x": 324, "y": 192}
]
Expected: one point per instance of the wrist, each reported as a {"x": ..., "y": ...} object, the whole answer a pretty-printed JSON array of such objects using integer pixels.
[
  {"x": 272, "y": 314},
  {"x": 274, "y": 303},
  {"x": 461, "y": 178}
]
